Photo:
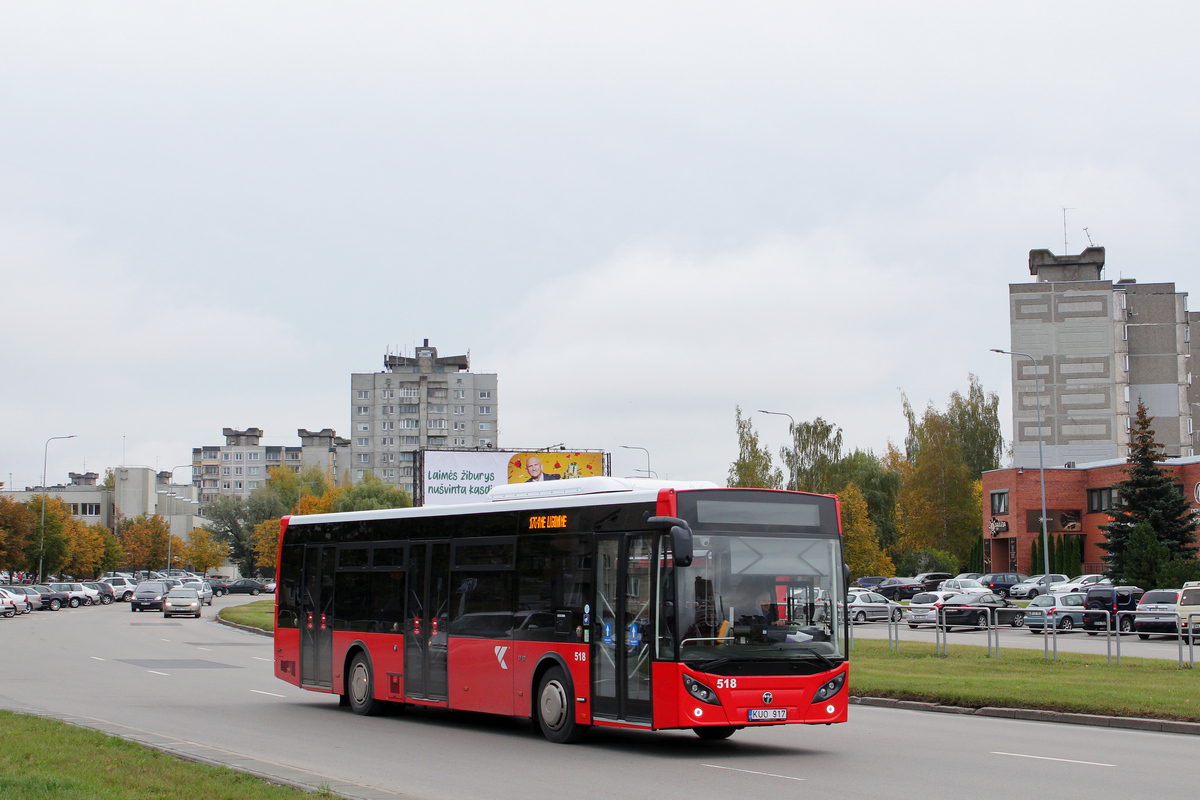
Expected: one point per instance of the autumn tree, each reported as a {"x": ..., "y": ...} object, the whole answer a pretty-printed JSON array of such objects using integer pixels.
[
  {"x": 17, "y": 525},
  {"x": 1149, "y": 494},
  {"x": 50, "y": 545},
  {"x": 369, "y": 494},
  {"x": 203, "y": 551},
  {"x": 266, "y": 543},
  {"x": 860, "y": 541},
  {"x": 753, "y": 468},
  {"x": 144, "y": 540},
  {"x": 86, "y": 552}
]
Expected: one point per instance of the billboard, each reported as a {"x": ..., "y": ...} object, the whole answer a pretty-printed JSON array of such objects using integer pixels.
[{"x": 458, "y": 476}]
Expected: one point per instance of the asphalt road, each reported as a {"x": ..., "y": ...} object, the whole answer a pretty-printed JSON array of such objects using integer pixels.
[{"x": 200, "y": 688}]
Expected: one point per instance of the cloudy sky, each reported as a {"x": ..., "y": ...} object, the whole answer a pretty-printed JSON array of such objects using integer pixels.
[{"x": 639, "y": 215}]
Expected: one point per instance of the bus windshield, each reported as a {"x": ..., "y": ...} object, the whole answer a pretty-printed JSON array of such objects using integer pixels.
[{"x": 760, "y": 598}]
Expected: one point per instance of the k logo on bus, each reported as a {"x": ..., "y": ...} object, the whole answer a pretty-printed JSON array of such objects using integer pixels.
[{"x": 500, "y": 651}]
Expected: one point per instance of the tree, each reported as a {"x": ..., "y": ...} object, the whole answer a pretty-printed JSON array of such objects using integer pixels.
[
  {"x": 812, "y": 460},
  {"x": 266, "y": 543},
  {"x": 287, "y": 486},
  {"x": 880, "y": 488},
  {"x": 17, "y": 524},
  {"x": 110, "y": 480},
  {"x": 204, "y": 551},
  {"x": 113, "y": 556},
  {"x": 86, "y": 551},
  {"x": 976, "y": 421},
  {"x": 860, "y": 542},
  {"x": 1145, "y": 557},
  {"x": 144, "y": 540},
  {"x": 753, "y": 468},
  {"x": 369, "y": 494},
  {"x": 1148, "y": 495},
  {"x": 230, "y": 521},
  {"x": 50, "y": 544}
]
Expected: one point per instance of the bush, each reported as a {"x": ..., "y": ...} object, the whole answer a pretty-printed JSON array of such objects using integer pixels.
[{"x": 928, "y": 560}]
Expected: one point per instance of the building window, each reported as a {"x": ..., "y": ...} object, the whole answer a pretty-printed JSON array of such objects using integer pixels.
[
  {"x": 255, "y": 484},
  {"x": 273, "y": 456},
  {"x": 293, "y": 456},
  {"x": 409, "y": 408},
  {"x": 460, "y": 409},
  {"x": 363, "y": 442},
  {"x": 364, "y": 458},
  {"x": 437, "y": 409},
  {"x": 389, "y": 473},
  {"x": 410, "y": 423},
  {"x": 387, "y": 394},
  {"x": 413, "y": 392},
  {"x": 358, "y": 473},
  {"x": 225, "y": 471},
  {"x": 485, "y": 409},
  {"x": 364, "y": 395},
  {"x": 1100, "y": 499},
  {"x": 388, "y": 441},
  {"x": 388, "y": 426},
  {"x": 410, "y": 440},
  {"x": 485, "y": 395},
  {"x": 1125, "y": 359},
  {"x": 485, "y": 442},
  {"x": 458, "y": 426},
  {"x": 362, "y": 411},
  {"x": 460, "y": 394},
  {"x": 210, "y": 455},
  {"x": 237, "y": 456},
  {"x": 253, "y": 456},
  {"x": 210, "y": 484},
  {"x": 91, "y": 509},
  {"x": 389, "y": 409},
  {"x": 435, "y": 424},
  {"x": 406, "y": 472},
  {"x": 437, "y": 439},
  {"x": 1125, "y": 332},
  {"x": 237, "y": 470},
  {"x": 254, "y": 470},
  {"x": 435, "y": 394},
  {"x": 237, "y": 484},
  {"x": 225, "y": 456},
  {"x": 999, "y": 503},
  {"x": 485, "y": 426},
  {"x": 210, "y": 469},
  {"x": 364, "y": 426},
  {"x": 386, "y": 457},
  {"x": 225, "y": 484},
  {"x": 460, "y": 441}
]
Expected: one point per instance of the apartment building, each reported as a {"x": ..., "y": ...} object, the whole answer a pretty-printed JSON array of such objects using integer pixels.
[
  {"x": 1098, "y": 347},
  {"x": 418, "y": 402},
  {"x": 241, "y": 465}
]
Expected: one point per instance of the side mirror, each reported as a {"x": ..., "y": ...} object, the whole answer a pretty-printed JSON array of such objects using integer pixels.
[{"x": 681, "y": 545}]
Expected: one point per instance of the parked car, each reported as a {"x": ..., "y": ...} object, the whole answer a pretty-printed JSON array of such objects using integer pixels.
[
  {"x": 922, "y": 609},
  {"x": 105, "y": 590},
  {"x": 968, "y": 576},
  {"x": 1001, "y": 582},
  {"x": 869, "y": 606},
  {"x": 181, "y": 600},
  {"x": 149, "y": 596},
  {"x": 869, "y": 581},
  {"x": 1063, "y": 611},
  {"x": 246, "y": 586},
  {"x": 961, "y": 586},
  {"x": 1113, "y": 599},
  {"x": 34, "y": 596},
  {"x": 900, "y": 588},
  {"x": 19, "y": 600},
  {"x": 930, "y": 580},
  {"x": 1189, "y": 603},
  {"x": 52, "y": 599},
  {"x": 957, "y": 611},
  {"x": 1035, "y": 585},
  {"x": 270, "y": 586},
  {"x": 218, "y": 586},
  {"x": 8, "y": 606},
  {"x": 1079, "y": 583},
  {"x": 1164, "y": 600},
  {"x": 123, "y": 586},
  {"x": 78, "y": 595},
  {"x": 202, "y": 589}
]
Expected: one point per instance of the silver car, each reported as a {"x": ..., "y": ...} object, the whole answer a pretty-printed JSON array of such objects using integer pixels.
[
  {"x": 923, "y": 608},
  {"x": 868, "y": 606},
  {"x": 1036, "y": 585},
  {"x": 181, "y": 601},
  {"x": 203, "y": 589}
]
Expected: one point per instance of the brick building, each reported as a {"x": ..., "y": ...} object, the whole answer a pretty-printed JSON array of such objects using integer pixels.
[{"x": 1077, "y": 500}]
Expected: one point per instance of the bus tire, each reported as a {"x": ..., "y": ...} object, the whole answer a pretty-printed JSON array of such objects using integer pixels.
[
  {"x": 715, "y": 733},
  {"x": 555, "y": 708},
  {"x": 360, "y": 687}
]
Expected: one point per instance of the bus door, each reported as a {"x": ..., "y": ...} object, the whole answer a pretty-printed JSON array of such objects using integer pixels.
[
  {"x": 426, "y": 620},
  {"x": 316, "y": 615},
  {"x": 622, "y": 633}
]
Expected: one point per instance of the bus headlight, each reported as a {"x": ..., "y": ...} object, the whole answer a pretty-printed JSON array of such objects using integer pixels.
[
  {"x": 701, "y": 692},
  {"x": 830, "y": 688}
]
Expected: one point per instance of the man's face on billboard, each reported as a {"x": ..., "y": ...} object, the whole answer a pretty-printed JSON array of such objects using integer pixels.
[{"x": 534, "y": 467}]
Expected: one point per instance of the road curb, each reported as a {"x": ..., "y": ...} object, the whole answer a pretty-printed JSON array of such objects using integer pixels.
[
  {"x": 1038, "y": 715},
  {"x": 240, "y": 627}
]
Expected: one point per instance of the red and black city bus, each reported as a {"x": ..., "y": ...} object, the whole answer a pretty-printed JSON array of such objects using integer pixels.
[{"x": 591, "y": 602}]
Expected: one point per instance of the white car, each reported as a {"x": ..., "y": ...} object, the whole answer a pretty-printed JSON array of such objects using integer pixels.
[
  {"x": 1036, "y": 585},
  {"x": 80, "y": 595},
  {"x": 1078, "y": 584},
  {"x": 20, "y": 601},
  {"x": 923, "y": 608},
  {"x": 867, "y": 606},
  {"x": 8, "y": 607},
  {"x": 201, "y": 588},
  {"x": 961, "y": 586}
]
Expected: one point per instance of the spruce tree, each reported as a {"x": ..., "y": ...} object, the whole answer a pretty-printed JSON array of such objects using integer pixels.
[{"x": 1148, "y": 495}]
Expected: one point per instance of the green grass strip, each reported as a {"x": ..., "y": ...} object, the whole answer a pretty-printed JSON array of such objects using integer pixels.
[
  {"x": 44, "y": 759},
  {"x": 1077, "y": 682},
  {"x": 259, "y": 614}
]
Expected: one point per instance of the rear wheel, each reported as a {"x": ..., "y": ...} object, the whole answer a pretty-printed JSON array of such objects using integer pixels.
[
  {"x": 74, "y": 602},
  {"x": 55, "y": 604},
  {"x": 861, "y": 616},
  {"x": 1143, "y": 636},
  {"x": 1126, "y": 625},
  {"x": 125, "y": 598},
  {"x": 106, "y": 600},
  {"x": 715, "y": 733},
  {"x": 911, "y": 625},
  {"x": 1033, "y": 593},
  {"x": 982, "y": 620},
  {"x": 360, "y": 688},
  {"x": 254, "y": 591},
  {"x": 10, "y": 613},
  {"x": 556, "y": 708},
  {"x": 1066, "y": 624},
  {"x": 896, "y": 615}
]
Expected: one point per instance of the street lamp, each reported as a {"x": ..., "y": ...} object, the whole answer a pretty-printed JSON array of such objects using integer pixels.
[
  {"x": 649, "y": 471},
  {"x": 792, "y": 432},
  {"x": 1041, "y": 460},
  {"x": 45, "y": 456}
]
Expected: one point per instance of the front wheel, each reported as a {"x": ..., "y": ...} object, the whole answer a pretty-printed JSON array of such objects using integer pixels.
[
  {"x": 556, "y": 708},
  {"x": 10, "y": 613},
  {"x": 715, "y": 733},
  {"x": 255, "y": 592},
  {"x": 1033, "y": 593},
  {"x": 1018, "y": 620},
  {"x": 360, "y": 688}
]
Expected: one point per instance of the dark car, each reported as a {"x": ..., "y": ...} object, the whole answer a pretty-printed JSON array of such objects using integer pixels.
[
  {"x": 1000, "y": 582},
  {"x": 106, "y": 592},
  {"x": 899, "y": 588},
  {"x": 1113, "y": 599},
  {"x": 218, "y": 587},
  {"x": 52, "y": 600},
  {"x": 869, "y": 581},
  {"x": 149, "y": 596},
  {"x": 956, "y": 613},
  {"x": 246, "y": 586},
  {"x": 930, "y": 580}
]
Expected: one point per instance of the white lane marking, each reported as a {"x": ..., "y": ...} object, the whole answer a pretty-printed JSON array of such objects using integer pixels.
[
  {"x": 205, "y": 649},
  {"x": 269, "y": 694},
  {"x": 156, "y": 672},
  {"x": 752, "y": 772},
  {"x": 166, "y": 640},
  {"x": 1047, "y": 758},
  {"x": 95, "y": 658},
  {"x": 260, "y": 658}
]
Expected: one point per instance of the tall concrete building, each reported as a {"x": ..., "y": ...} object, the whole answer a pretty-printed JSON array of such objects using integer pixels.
[
  {"x": 418, "y": 402},
  {"x": 240, "y": 466},
  {"x": 1099, "y": 347}
]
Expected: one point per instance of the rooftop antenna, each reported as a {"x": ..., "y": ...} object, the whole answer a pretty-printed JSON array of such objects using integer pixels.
[
  {"x": 1065, "y": 210},
  {"x": 1090, "y": 243}
]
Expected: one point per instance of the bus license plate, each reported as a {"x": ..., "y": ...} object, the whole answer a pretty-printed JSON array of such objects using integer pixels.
[{"x": 768, "y": 714}]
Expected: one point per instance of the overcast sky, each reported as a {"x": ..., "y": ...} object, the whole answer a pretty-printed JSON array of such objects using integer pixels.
[{"x": 639, "y": 215}]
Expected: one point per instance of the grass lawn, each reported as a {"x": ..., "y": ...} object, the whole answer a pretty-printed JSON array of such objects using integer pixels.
[
  {"x": 259, "y": 614},
  {"x": 1077, "y": 682},
  {"x": 44, "y": 759}
]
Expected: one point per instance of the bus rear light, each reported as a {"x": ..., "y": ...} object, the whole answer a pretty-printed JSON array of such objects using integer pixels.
[{"x": 322, "y": 622}]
